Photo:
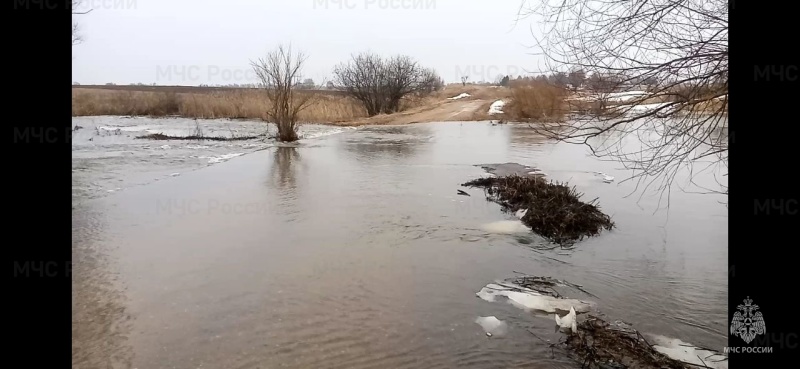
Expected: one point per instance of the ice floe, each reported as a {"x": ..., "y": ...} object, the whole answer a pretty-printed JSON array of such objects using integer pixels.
[
  {"x": 527, "y": 299},
  {"x": 606, "y": 178},
  {"x": 506, "y": 227},
  {"x": 492, "y": 326},
  {"x": 220, "y": 158},
  {"x": 682, "y": 351}
]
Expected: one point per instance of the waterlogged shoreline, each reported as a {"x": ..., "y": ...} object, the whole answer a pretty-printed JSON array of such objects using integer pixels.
[
  {"x": 102, "y": 146},
  {"x": 283, "y": 255}
]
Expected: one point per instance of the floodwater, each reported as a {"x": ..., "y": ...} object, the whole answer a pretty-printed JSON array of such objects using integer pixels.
[{"x": 354, "y": 250}]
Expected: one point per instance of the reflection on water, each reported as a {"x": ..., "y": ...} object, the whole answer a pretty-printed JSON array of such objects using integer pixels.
[
  {"x": 284, "y": 176},
  {"x": 286, "y": 161},
  {"x": 394, "y": 143},
  {"x": 365, "y": 256}
]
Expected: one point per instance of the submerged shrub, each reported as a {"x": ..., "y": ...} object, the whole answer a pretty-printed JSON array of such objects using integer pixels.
[{"x": 554, "y": 210}]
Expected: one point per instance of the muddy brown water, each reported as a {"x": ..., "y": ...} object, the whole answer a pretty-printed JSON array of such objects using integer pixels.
[{"x": 354, "y": 250}]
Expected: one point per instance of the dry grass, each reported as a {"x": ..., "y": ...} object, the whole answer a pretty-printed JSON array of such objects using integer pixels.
[
  {"x": 331, "y": 107},
  {"x": 233, "y": 103},
  {"x": 536, "y": 101},
  {"x": 492, "y": 93}
]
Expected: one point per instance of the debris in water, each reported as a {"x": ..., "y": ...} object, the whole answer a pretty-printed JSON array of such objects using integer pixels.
[
  {"x": 601, "y": 344},
  {"x": 461, "y": 192},
  {"x": 545, "y": 284},
  {"x": 175, "y": 174},
  {"x": 554, "y": 210}
]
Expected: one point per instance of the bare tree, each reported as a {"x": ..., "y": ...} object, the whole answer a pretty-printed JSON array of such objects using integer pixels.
[
  {"x": 559, "y": 79},
  {"x": 680, "y": 47},
  {"x": 464, "y": 80},
  {"x": 380, "y": 84},
  {"x": 576, "y": 78},
  {"x": 279, "y": 74},
  {"x": 76, "y": 36}
]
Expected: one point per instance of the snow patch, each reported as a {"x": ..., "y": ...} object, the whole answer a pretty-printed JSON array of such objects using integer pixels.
[
  {"x": 497, "y": 107},
  {"x": 625, "y": 96},
  {"x": 461, "y": 96},
  {"x": 646, "y": 108},
  {"x": 528, "y": 299}
]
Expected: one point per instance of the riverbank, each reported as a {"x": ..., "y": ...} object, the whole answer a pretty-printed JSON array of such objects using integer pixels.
[
  {"x": 531, "y": 101},
  {"x": 453, "y": 103}
]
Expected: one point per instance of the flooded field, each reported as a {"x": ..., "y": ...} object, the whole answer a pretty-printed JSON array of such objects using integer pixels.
[
  {"x": 354, "y": 249},
  {"x": 107, "y": 156}
]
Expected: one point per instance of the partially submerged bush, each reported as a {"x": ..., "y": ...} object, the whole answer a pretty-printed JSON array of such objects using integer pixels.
[
  {"x": 554, "y": 210},
  {"x": 603, "y": 345}
]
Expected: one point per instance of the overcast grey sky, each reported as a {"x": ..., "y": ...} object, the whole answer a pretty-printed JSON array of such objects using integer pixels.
[{"x": 192, "y": 42}]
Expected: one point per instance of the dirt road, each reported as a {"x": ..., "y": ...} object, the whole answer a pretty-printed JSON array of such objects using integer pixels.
[{"x": 472, "y": 108}]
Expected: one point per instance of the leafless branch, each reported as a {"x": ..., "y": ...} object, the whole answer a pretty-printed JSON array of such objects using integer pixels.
[
  {"x": 76, "y": 36},
  {"x": 676, "y": 50}
]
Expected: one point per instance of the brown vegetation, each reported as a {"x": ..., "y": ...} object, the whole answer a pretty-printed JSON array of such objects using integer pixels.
[
  {"x": 554, "y": 210},
  {"x": 206, "y": 103},
  {"x": 329, "y": 107},
  {"x": 533, "y": 100}
]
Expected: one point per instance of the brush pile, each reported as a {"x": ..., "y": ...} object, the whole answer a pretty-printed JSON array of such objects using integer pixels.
[
  {"x": 553, "y": 210},
  {"x": 604, "y": 345}
]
